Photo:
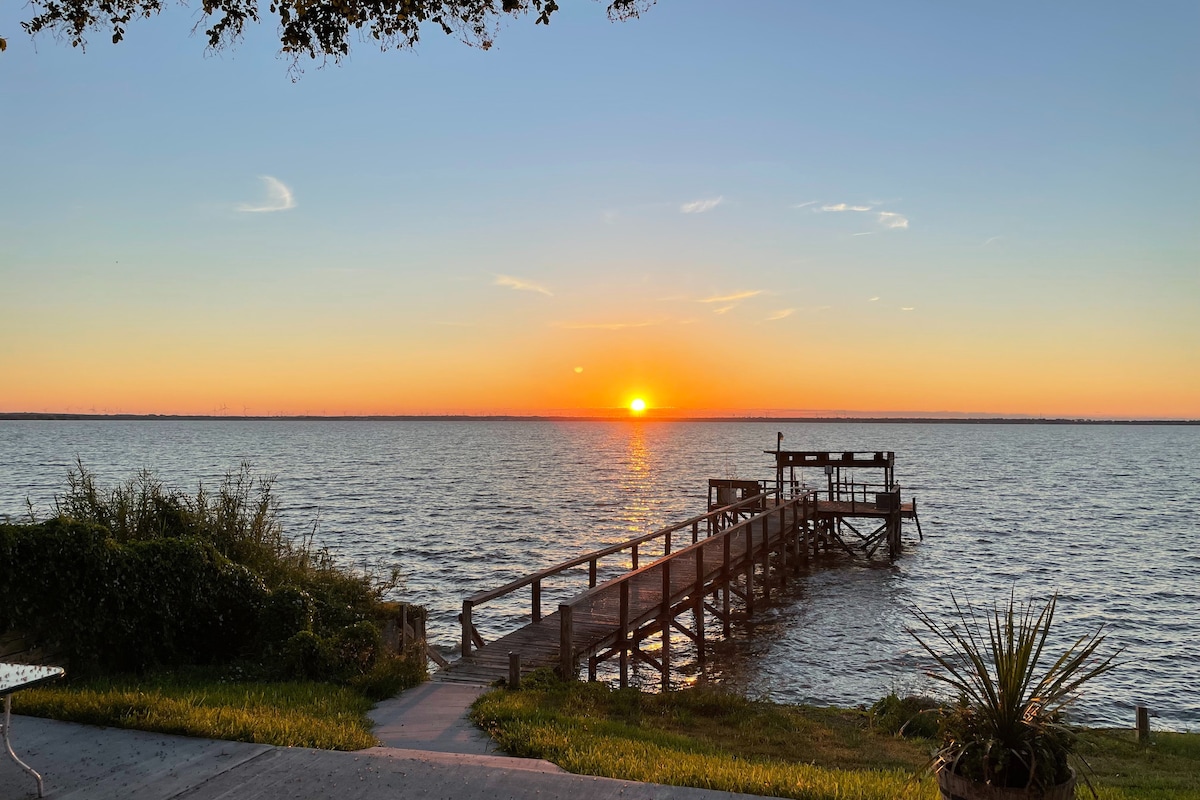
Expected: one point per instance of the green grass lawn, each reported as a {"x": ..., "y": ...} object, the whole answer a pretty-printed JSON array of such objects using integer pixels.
[
  {"x": 1167, "y": 768},
  {"x": 200, "y": 703},
  {"x": 710, "y": 739},
  {"x": 698, "y": 737},
  {"x": 706, "y": 739}
]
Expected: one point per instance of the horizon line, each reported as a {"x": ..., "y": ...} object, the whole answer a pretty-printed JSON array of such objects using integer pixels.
[{"x": 647, "y": 416}]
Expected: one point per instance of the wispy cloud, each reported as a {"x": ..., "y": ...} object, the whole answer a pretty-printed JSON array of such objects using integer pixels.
[
  {"x": 700, "y": 206},
  {"x": 892, "y": 220},
  {"x": 845, "y": 207},
  {"x": 907, "y": 308},
  {"x": 991, "y": 240},
  {"x": 874, "y": 299},
  {"x": 780, "y": 314},
  {"x": 521, "y": 285},
  {"x": 732, "y": 298},
  {"x": 724, "y": 309},
  {"x": 864, "y": 233},
  {"x": 804, "y": 205},
  {"x": 603, "y": 326},
  {"x": 279, "y": 197}
]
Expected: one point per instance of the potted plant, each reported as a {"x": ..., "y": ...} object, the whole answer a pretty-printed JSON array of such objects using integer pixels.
[{"x": 1004, "y": 736}]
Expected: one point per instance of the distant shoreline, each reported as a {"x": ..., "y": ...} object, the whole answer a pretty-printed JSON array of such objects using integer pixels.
[{"x": 30, "y": 415}]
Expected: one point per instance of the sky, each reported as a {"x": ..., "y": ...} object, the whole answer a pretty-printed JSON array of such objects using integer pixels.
[{"x": 724, "y": 207}]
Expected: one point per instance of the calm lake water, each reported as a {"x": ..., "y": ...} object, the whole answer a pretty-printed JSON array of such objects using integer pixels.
[{"x": 1105, "y": 515}]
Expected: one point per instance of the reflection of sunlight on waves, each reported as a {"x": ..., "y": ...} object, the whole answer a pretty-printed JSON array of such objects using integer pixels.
[{"x": 637, "y": 483}]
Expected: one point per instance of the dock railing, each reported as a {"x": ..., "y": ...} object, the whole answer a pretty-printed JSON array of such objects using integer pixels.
[
  {"x": 855, "y": 493},
  {"x": 866, "y": 494},
  {"x": 697, "y": 568},
  {"x": 708, "y": 524}
]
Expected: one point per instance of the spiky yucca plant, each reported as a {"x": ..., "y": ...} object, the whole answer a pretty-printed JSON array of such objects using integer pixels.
[{"x": 1006, "y": 728}]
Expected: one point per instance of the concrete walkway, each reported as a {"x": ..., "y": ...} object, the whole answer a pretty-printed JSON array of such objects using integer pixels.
[
  {"x": 83, "y": 762},
  {"x": 432, "y": 716}
]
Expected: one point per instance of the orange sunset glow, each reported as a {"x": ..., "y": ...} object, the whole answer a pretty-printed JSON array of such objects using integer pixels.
[{"x": 809, "y": 245}]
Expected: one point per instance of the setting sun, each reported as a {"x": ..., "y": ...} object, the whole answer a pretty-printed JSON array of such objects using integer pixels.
[{"x": 637, "y": 405}]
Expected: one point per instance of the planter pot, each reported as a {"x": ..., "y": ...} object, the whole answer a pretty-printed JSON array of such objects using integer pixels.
[{"x": 956, "y": 787}]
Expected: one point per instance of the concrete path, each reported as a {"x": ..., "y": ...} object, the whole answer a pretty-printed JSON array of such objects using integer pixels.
[
  {"x": 432, "y": 716},
  {"x": 83, "y": 762}
]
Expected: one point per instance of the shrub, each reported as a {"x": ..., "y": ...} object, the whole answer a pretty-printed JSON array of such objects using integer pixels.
[
  {"x": 906, "y": 716},
  {"x": 142, "y": 576},
  {"x": 1007, "y": 727},
  {"x": 309, "y": 656}
]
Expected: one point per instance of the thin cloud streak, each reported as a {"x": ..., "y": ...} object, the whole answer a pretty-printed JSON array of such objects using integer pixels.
[
  {"x": 893, "y": 221},
  {"x": 521, "y": 285},
  {"x": 845, "y": 207},
  {"x": 603, "y": 326},
  {"x": 783, "y": 313},
  {"x": 700, "y": 206},
  {"x": 279, "y": 197},
  {"x": 732, "y": 298}
]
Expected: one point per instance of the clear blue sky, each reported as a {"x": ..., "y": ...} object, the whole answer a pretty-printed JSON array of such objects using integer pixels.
[{"x": 1000, "y": 198}]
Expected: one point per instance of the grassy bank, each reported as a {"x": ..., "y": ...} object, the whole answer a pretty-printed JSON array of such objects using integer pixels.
[
  {"x": 713, "y": 740},
  {"x": 209, "y": 705},
  {"x": 234, "y": 629}
]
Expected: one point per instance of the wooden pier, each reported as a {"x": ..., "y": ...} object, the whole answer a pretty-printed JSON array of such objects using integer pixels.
[{"x": 719, "y": 564}]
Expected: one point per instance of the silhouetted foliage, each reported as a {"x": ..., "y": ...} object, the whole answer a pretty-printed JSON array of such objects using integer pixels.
[
  {"x": 140, "y": 576},
  {"x": 316, "y": 28}
]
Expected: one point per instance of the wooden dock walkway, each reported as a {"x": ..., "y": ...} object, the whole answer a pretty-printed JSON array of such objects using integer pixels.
[
  {"x": 720, "y": 563},
  {"x": 612, "y": 618}
]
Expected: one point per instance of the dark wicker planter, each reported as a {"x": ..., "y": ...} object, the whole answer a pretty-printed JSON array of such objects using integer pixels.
[{"x": 956, "y": 787}]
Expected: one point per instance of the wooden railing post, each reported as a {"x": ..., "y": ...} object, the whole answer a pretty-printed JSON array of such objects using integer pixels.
[
  {"x": 566, "y": 655},
  {"x": 592, "y": 573},
  {"x": 785, "y": 540},
  {"x": 796, "y": 537},
  {"x": 466, "y": 628},
  {"x": 666, "y": 587},
  {"x": 536, "y": 600},
  {"x": 750, "y": 568},
  {"x": 514, "y": 670},
  {"x": 664, "y": 621},
  {"x": 766, "y": 537},
  {"x": 635, "y": 556},
  {"x": 695, "y": 531},
  {"x": 623, "y": 633},
  {"x": 726, "y": 577},
  {"x": 698, "y": 604}
]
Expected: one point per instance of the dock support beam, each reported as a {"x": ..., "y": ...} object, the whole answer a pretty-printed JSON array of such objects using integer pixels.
[
  {"x": 467, "y": 627},
  {"x": 566, "y": 656}
]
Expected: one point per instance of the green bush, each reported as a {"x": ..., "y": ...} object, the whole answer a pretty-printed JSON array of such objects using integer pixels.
[
  {"x": 391, "y": 674},
  {"x": 143, "y": 576},
  {"x": 308, "y": 656},
  {"x": 911, "y": 715},
  {"x": 112, "y": 607}
]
